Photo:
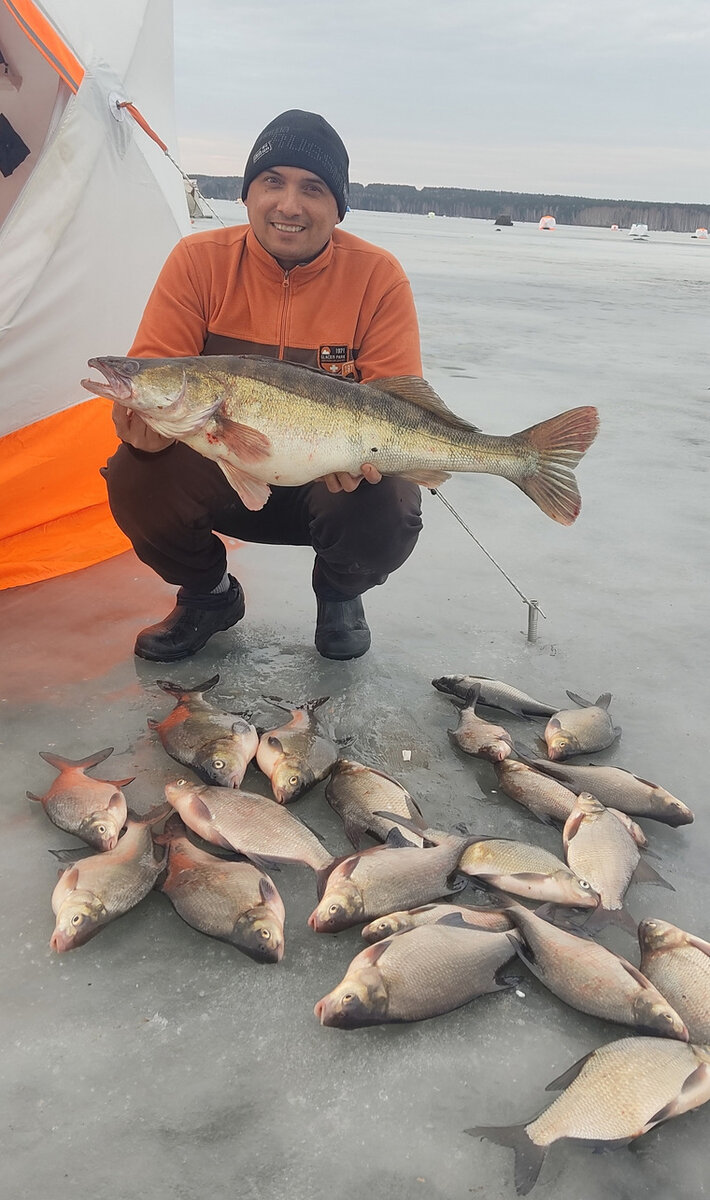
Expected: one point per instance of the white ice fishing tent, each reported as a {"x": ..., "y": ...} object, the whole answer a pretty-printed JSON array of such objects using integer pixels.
[
  {"x": 639, "y": 231},
  {"x": 90, "y": 206},
  {"x": 547, "y": 223}
]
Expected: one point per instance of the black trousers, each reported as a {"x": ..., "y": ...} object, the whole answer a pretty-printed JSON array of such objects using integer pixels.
[{"x": 169, "y": 505}]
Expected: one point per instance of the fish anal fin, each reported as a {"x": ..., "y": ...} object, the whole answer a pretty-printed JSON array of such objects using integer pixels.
[
  {"x": 249, "y": 444},
  {"x": 529, "y": 1157},
  {"x": 252, "y": 492},
  {"x": 428, "y": 479},
  {"x": 645, "y": 873},
  {"x": 692, "y": 1094},
  {"x": 567, "y": 1077}
]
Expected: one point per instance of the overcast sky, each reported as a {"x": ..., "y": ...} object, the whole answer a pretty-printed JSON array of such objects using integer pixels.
[{"x": 608, "y": 99}]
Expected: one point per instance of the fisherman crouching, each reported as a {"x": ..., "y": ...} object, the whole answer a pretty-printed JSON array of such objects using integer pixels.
[{"x": 291, "y": 286}]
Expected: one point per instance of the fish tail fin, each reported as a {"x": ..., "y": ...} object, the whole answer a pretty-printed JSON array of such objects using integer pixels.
[
  {"x": 83, "y": 764},
  {"x": 31, "y": 796},
  {"x": 529, "y": 1157},
  {"x": 179, "y": 689},
  {"x": 600, "y": 917},
  {"x": 153, "y": 816},
  {"x": 559, "y": 443}
]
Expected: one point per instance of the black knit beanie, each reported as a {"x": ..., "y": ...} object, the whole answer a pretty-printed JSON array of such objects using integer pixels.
[{"x": 306, "y": 140}]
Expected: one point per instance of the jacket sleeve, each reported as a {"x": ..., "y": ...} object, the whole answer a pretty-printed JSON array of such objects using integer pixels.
[
  {"x": 390, "y": 341},
  {"x": 174, "y": 321}
]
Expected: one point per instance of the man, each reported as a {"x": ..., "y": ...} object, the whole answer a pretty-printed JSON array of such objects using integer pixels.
[{"x": 288, "y": 285}]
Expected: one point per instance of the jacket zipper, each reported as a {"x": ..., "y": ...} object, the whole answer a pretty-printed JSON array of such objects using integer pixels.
[{"x": 284, "y": 314}]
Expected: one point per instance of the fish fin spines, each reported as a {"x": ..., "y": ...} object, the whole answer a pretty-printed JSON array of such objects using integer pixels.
[{"x": 419, "y": 392}]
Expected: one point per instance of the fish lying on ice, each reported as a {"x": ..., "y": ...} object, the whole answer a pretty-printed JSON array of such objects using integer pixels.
[
  {"x": 599, "y": 845},
  {"x": 581, "y": 730},
  {"x": 96, "y": 890},
  {"x": 526, "y": 870},
  {"x": 386, "y": 878},
  {"x": 268, "y": 422},
  {"x": 217, "y": 745},
  {"x": 475, "y": 736},
  {"x": 253, "y": 825},
  {"x": 357, "y": 792},
  {"x": 233, "y": 901},
  {"x": 421, "y": 973},
  {"x": 679, "y": 965},
  {"x": 92, "y": 809},
  {"x": 591, "y": 978},
  {"x": 480, "y": 916},
  {"x": 494, "y": 694},
  {"x": 298, "y": 754},
  {"x": 612, "y": 1096},
  {"x": 617, "y": 788}
]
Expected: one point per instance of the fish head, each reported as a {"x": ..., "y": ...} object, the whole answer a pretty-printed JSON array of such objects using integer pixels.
[
  {"x": 101, "y": 829},
  {"x": 589, "y": 806},
  {"x": 655, "y": 1015},
  {"x": 361, "y": 999},
  {"x": 659, "y": 935},
  {"x": 340, "y": 907},
  {"x": 577, "y": 892},
  {"x": 80, "y": 918},
  {"x": 259, "y": 933},
  {"x": 669, "y": 809},
  {"x": 168, "y": 393},
  {"x": 560, "y": 742},
  {"x": 290, "y": 778},
  {"x": 385, "y": 926},
  {"x": 181, "y": 791},
  {"x": 222, "y": 762},
  {"x": 496, "y": 750}
]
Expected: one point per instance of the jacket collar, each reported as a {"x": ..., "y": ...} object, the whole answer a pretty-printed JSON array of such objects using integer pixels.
[{"x": 269, "y": 266}]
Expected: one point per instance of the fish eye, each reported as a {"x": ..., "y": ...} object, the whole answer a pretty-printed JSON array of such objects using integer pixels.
[
  {"x": 101, "y": 828},
  {"x": 293, "y": 780},
  {"x": 218, "y": 763},
  {"x": 265, "y": 934},
  {"x": 76, "y": 919},
  {"x": 348, "y": 997},
  {"x": 587, "y": 886},
  {"x": 334, "y": 908},
  {"x": 181, "y": 783}
]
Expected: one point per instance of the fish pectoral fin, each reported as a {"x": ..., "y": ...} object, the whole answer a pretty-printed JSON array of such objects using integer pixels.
[
  {"x": 267, "y": 890},
  {"x": 249, "y": 444},
  {"x": 580, "y": 699},
  {"x": 456, "y": 883},
  {"x": 646, "y": 874},
  {"x": 699, "y": 944},
  {"x": 428, "y": 479},
  {"x": 396, "y": 840},
  {"x": 252, "y": 492},
  {"x": 521, "y": 948}
]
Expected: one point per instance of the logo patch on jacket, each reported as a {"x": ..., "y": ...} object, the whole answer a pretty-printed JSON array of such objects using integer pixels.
[{"x": 336, "y": 360}]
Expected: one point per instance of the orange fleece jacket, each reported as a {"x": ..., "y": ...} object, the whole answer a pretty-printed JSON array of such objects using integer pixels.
[{"x": 350, "y": 311}]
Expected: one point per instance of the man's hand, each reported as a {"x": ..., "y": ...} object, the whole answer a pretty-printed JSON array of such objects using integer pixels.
[
  {"x": 132, "y": 429},
  {"x": 342, "y": 481}
]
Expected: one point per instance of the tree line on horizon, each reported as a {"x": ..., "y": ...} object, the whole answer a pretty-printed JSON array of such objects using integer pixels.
[{"x": 489, "y": 205}]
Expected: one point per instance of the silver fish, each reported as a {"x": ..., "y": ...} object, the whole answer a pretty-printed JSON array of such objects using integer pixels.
[
  {"x": 597, "y": 844},
  {"x": 612, "y": 1096},
  {"x": 620, "y": 789},
  {"x": 356, "y": 792},
  {"x": 580, "y": 731},
  {"x": 92, "y": 809},
  {"x": 421, "y": 973},
  {"x": 253, "y": 825},
  {"x": 96, "y": 890},
  {"x": 591, "y": 978},
  {"x": 298, "y": 754},
  {"x": 494, "y": 920},
  {"x": 233, "y": 901},
  {"x": 526, "y": 870},
  {"x": 217, "y": 745},
  {"x": 265, "y": 421},
  {"x": 679, "y": 965},
  {"x": 478, "y": 737},
  {"x": 547, "y": 799},
  {"x": 494, "y": 694}
]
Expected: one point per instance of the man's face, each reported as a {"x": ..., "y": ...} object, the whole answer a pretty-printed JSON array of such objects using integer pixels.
[{"x": 292, "y": 213}]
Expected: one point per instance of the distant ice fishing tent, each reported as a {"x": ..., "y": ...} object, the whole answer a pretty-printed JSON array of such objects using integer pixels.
[
  {"x": 547, "y": 223},
  {"x": 701, "y": 233},
  {"x": 639, "y": 231},
  {"x": 89, "y": 208}
]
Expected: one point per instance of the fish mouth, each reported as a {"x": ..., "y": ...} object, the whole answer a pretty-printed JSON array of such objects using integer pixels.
[{"x": 117, "y": 387}]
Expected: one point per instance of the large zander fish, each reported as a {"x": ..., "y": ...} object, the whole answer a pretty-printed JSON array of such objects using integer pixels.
[{"x": 268, "y": 422}]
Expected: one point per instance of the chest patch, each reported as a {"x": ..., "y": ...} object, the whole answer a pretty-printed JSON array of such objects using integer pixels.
[{"x": 336, "y": 360}]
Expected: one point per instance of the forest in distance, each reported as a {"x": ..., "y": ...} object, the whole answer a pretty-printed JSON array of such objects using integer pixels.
[{"x": 489, "y": 205}]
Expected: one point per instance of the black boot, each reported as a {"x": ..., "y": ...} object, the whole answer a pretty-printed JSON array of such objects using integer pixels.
[
  {"x": 341, "y": 629},
  {"x": 191, "y": 624}
]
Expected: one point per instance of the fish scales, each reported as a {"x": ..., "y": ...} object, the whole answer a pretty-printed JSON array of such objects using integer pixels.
[
  {"x": 266, "y": 421},
  {"x": 601, "y": 849},
  {"x": 455, "y": 964},
  {"x": 479, "y": 916},
  {"x": 620, "y": 789},
  {"x": 678, "y": 963},
  {"x": 400, "y": 876},
  {"x": 356, "y": 792},
  {"x": 494, "y": 693},
  {"x": 618, "y": 1091}
]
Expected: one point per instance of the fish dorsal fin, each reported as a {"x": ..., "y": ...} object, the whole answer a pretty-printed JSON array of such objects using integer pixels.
[
  {"x": 421, "y": 393},
  {"x": 569, "y": 1075}
]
